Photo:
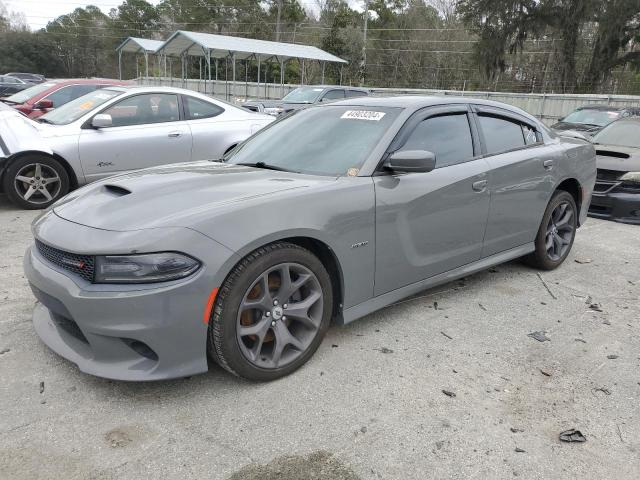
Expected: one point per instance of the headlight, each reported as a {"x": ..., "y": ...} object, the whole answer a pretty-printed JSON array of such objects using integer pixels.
[
  {"x": 144, "y": 268},
  {"x": 273, "y": 110},
  {"x": 631, "y": 177}
]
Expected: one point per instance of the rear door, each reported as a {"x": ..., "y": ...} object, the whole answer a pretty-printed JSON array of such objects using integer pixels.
[
  {"x": 429, "y": 223},
  {"x": 147, "y": 130},
  {"x": 521, "y": 179},
  {"x": 214, "y": 129}
]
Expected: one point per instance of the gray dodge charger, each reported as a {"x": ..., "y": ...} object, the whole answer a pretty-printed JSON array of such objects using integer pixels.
[{"x": 326, "y": 215}]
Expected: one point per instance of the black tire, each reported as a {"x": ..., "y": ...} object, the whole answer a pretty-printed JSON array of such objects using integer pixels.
[
  {"x": 223, "y": 340},
  {"x": 44, "y": 190},
  {"x": 542, "y": 258}
]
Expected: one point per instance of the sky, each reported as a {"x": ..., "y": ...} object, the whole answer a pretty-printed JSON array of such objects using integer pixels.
[{"x": 39, "y": 12}]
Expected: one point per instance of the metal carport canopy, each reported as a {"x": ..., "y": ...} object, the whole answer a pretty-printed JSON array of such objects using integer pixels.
[
  {"x": 219, "y": 46},
  {"x": 139, "y": 45}
]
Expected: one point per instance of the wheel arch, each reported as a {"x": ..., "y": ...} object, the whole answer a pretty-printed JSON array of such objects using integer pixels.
[
  {"x": 572, "y": 186},
  {"x": 73, "y": 179},
  {"x": 315, "y": 245}
]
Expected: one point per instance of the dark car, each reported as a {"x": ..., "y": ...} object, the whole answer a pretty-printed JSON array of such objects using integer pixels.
[
  {"x": 303, "y": 97},
  {"x": 590, "y": 119},
  {"x": 28, "y": 77},
  {"x": 616, "y": 195},
  {"x": 10, "y": 85}
]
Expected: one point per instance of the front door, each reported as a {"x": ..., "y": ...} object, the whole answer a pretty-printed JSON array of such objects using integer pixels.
[
  {"x": 147, "y": 130},
  {"x": 429, "y": 223}
]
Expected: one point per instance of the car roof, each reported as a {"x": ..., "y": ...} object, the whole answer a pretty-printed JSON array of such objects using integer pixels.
[
  {"x": 606, "y": 108},
  {"x": 416, "y": 102}
]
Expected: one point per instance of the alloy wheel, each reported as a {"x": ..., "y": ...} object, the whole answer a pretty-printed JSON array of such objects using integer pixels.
[
  {"x": 280, "y": 315},
  {"x": 37, "y": 183},
  {"x": 560, "y": 231}
]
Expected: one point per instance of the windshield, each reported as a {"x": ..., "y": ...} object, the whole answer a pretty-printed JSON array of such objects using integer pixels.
[
  {"x": 623, "y": 133},
  {"x": 592, "y": 117},
  {"x": 303, "y": 95},
  {"x": 29, "y": 93},
  {"x": 72, "y": 111},
  {"x": 333, "y": 140}
]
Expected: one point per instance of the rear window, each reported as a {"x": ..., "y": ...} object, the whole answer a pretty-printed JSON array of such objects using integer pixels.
[{"x": 501, "y": 134}]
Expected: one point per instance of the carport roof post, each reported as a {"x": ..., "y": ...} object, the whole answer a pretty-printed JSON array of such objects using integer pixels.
[{"x": 195, "y": 43}]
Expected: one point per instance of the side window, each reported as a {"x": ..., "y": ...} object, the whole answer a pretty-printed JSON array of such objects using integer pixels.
[
  {"x": 143, "y": 109},
  {"x": 60, "y": 96},
  {"x": 197, "y": 108},
  {"x": 355, "y": 93},
  {"x": 447, "y": 136},
  {"x": 530, "y": 135},
  {"x": 501, "y": 134},
  {"x": 333, "y": 95}
]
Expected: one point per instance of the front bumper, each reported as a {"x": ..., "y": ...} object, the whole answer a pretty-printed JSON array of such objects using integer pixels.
[
  {"x": 617, "y": 206},
  {"x": 125, "y": 332}
]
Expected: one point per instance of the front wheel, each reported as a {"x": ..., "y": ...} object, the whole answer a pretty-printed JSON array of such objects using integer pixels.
[
  {"x": 556, "y": 233},
  {"x": 271, "y": 312},
  {"x": 35, "y": 181}
]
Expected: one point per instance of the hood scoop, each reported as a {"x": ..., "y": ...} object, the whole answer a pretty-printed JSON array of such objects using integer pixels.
[
  {"x": 610, "y": 153},
  {"x": 116, "y": 190}
]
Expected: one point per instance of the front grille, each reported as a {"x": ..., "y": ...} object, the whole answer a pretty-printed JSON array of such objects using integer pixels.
[
  {"x": 609, "y": 175},
  {"x": 81, "y": 265}
]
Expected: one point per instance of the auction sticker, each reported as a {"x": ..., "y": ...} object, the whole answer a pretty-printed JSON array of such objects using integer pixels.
[{"x": 363, "y": 115}]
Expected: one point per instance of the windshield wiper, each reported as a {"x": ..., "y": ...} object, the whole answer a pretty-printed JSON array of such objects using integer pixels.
[
  {"x": 266, "y": 166},
  {"x": 45, "y": 120}
]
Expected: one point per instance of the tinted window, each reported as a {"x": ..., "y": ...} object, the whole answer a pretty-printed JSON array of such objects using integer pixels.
[
  {"x": 197, "y": 108},
  {"x": 354, "y": 93},
  {"x": 501, "y": 134},
  {"x": 447, "y": 136},
  {"x": 143, "y": 109},
  {"x": 81, "y": 106},
  {"x": 333, "y": 95},
  {"x": 66, "y": 94}
]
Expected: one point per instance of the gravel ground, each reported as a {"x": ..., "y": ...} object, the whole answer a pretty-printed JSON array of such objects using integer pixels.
[{"x": 370, "y": 403}]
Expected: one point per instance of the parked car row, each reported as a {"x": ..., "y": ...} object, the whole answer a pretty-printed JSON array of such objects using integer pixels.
[{"x": 116, "y": 129}]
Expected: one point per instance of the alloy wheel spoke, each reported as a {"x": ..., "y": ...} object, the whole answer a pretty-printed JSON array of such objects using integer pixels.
[
  {"x": 300, "y": 310},
  {"x": 24, "y": 179},
  {"x": 46, "y": 193},
  {"x": 263, "y": 303},
  {"x": 51, "y": 179},
  {"x": 38, "y": 171},
  {"x": 259, "y": 328},
  {"x": 284, "y": 338},
  {"x": 30, "y": 191}
]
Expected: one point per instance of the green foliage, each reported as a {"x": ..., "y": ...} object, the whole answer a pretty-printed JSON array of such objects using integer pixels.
[{"x": 516, "y": 45}]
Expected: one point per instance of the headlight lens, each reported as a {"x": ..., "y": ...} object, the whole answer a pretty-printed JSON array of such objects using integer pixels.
[
  {"x": 631, "y": 177},
  {"x": 144, "y": 268}
]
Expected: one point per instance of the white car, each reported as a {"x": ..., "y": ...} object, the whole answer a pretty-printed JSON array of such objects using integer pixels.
[{"x": 116, "y": 129}]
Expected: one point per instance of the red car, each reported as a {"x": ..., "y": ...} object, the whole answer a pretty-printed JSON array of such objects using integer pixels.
[{"x": 41, "y": 98}]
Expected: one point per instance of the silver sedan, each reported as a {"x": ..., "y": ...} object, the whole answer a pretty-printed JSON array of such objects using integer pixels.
[{"x": 118, "y": 129}]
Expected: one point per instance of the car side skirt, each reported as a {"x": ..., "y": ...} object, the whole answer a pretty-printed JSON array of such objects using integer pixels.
[{"x": 357, "y": 311}]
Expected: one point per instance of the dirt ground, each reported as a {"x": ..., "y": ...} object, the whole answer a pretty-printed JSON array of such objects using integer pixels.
[{"x": 370, "y": 404}]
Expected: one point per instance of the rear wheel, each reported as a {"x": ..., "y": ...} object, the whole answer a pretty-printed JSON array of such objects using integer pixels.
[
  {"x": 271, "y": 313},
  {"x": 35, "y": 181},
  {"x": 556, "y": 233}
]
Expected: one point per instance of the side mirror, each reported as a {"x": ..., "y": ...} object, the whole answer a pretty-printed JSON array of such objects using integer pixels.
[
  {"x": 102, "y": 120},
  {"x": 411, "y": 161},
  {"x": 44, "y": 104}
]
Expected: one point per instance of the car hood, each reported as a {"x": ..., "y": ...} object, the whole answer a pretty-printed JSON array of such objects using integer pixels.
[
  {"x": 613, "y": 157},
  {"x": 579, "y": 127},
  {"x": 175, "y": 195},
  {"x": 279, "y": 104},
  {"x": 19, "y": 134}
]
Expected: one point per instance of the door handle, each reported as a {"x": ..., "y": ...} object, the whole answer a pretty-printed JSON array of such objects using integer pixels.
[
  {"x": 548, "y": 164},
  {"x": 479, "y": 186},
  {"x": 175, "y": 134}
]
